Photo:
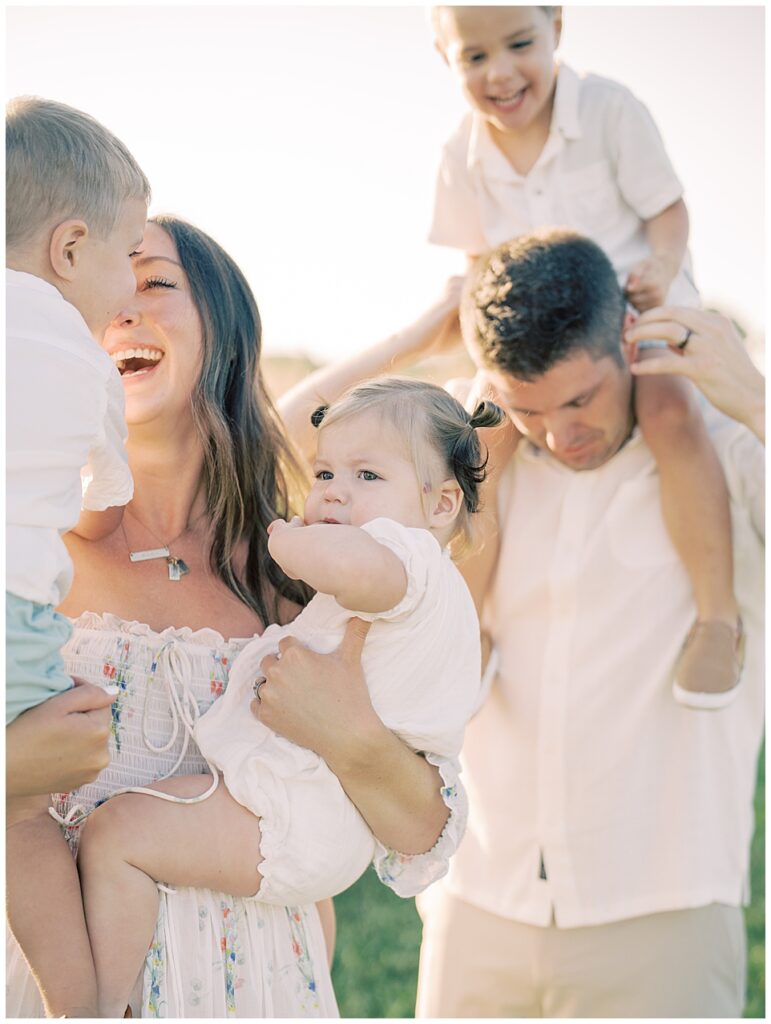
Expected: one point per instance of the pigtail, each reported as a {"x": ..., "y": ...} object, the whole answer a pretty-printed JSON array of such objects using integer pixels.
[
  {"x": 318, "y": 415},
  {"x": 466, "y": 462}
]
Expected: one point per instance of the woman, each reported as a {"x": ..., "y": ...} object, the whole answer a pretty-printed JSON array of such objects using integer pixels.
[{"x": 159, "y": 606}]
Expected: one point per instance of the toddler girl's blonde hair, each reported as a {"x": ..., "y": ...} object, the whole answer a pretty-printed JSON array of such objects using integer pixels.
[{"x": 440, "y": 437}]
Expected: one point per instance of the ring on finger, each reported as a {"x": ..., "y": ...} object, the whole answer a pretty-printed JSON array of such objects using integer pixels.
[
  {"x": 682, "y": 344},
  {"x": 258, "y": 684}
]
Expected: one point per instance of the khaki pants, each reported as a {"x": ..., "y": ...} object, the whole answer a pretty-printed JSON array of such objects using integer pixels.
[{"x": 684, "y": 963}]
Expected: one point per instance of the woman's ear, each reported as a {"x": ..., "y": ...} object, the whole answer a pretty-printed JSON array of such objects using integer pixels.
[
  {"x": 65, "y": 248},
  {"x": 446, "y": 504}
]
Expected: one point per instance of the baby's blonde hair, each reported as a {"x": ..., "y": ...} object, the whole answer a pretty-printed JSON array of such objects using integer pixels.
[
  {"x": 59, "y": 164},
  {"x": 439, "y": 436}
]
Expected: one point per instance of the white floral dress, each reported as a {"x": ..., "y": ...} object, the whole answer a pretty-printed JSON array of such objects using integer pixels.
[{"x": 212, "y": 955}]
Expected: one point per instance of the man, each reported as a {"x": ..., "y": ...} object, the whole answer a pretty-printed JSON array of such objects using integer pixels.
[{"x": 607, "y": 852}]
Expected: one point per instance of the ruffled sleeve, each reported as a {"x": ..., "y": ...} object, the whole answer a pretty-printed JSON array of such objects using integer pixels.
[{"x": 410, "y": 874}]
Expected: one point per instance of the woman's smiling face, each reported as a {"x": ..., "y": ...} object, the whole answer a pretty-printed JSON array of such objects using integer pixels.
[{"x": 156, "y": 340}]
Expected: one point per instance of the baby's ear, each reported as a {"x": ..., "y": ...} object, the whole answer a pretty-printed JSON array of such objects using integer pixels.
[
  {"x": 64, "y": 251},
  {"x": 446, "y": 503}
]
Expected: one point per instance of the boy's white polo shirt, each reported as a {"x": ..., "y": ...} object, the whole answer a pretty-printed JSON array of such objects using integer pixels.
[
  {"x": 64, "y": 413},
  {"x": 603, "y": 171}
]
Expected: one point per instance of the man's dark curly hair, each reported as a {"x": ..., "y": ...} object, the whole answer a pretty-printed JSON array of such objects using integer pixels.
[{"x": 536, "y": 300}]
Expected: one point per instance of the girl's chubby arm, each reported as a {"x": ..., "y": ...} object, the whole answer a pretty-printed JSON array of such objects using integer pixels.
[
  {"x": 344, "y": 561},
  {"x": 434, "y": 330}
]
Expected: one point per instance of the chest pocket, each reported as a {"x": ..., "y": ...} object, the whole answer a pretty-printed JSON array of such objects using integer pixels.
[{"x": 591, "y": 198}]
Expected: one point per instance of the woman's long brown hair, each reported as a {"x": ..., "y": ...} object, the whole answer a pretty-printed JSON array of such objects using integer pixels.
[{"x": 251, "y": 473}]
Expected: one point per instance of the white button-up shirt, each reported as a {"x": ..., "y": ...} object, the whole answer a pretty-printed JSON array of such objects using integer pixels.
[
  {"x": 603, "y": 171},
  {"x": 581, "y": 755},
  {"x": 64, "y": 413}
]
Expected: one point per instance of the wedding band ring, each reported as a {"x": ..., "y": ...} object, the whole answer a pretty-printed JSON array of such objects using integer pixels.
[
  {"x": 682, "y": 344},
  {"x": 259, "y": 683}
]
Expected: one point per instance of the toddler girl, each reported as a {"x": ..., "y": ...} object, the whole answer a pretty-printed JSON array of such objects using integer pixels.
[{"x": 397, "y": 478}]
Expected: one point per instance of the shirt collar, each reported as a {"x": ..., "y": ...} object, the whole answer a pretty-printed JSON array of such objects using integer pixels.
[{"x": 565, "y": 122}]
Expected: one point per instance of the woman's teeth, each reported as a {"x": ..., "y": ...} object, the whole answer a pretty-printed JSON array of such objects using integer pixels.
[{"x": 150, "y": 355}]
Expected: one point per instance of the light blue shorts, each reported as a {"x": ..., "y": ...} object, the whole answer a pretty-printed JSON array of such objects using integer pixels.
[{"x": 34, "y": 637}]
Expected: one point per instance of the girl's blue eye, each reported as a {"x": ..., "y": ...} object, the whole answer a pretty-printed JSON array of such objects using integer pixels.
[
  {"x": 324, "y": 474},
  {"x": 367, "y": 474},
  {"x": 159, "y": 282}
]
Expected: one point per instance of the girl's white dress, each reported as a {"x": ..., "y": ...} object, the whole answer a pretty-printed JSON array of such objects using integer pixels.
[
  {"x": 212, "y": 955},
  {"x": 422, "y": 664}
]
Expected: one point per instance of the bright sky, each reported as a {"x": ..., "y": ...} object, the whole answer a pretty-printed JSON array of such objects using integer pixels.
[{"x": 306, "y": 139}]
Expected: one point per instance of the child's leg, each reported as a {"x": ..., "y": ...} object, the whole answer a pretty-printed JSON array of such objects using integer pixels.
[
  {"x": 696, "y": 511},
  {"x": 45, "y": 909},
  {"x": 131, "y": 842}
]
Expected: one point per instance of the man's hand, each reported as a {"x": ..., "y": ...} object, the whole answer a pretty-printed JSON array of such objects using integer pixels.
[
  {"x": 649, "y": 281},
  {"x": 60, "y": 744},
  {"x": 319, "y": 701}
]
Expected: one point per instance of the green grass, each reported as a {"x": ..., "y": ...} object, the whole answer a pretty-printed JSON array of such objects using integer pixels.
[{"x": 376, "y": 963}]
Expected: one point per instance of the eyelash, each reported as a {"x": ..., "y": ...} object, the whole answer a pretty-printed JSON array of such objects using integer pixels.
[{"x": 159, "y": 282}]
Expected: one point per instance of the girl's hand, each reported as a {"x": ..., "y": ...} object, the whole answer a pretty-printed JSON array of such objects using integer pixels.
[
  {"x": 281, "y": 524},
  {"x": 706, "y": 348}
]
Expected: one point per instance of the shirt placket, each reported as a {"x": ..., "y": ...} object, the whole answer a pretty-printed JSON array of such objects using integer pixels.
[{"x": 553, "y": 716}]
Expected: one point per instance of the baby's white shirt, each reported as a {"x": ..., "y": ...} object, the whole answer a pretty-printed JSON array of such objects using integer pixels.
[
  {"x": 422, "y": 658},
  {"x": 64, "y": 414}
]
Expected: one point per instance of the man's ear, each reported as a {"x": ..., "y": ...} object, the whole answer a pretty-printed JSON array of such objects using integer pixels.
[
  {"x": 629, "y": 350},
  {"x": 64, "y": 251},
  {"x": 446, "y": 504}
]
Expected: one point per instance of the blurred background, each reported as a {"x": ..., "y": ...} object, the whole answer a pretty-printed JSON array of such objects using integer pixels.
[{"x": 306, "y": 140}]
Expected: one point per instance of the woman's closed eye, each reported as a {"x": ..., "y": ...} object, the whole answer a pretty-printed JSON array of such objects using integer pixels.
[{"x": 158, "y": 282}]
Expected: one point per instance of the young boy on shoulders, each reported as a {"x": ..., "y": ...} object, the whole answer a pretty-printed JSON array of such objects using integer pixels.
[
  {"x": 544, "y": 146},
  {"x": 76, "y": 206}
]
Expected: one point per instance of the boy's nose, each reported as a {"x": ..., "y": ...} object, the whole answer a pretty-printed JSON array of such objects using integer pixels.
[{"x": 501, "y": 66}]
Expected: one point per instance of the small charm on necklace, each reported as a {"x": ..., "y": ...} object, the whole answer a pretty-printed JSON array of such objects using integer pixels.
[{"x": 177, "y": 568}]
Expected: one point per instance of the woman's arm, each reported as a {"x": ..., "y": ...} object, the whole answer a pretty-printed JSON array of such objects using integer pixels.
[
  {"x": 435, "y": 329},
  {"x": 321, "y": 701}
]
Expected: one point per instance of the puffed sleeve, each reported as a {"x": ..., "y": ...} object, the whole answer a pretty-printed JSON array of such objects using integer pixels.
[
  {"x": 410, "y": 874},
  {"x": 645, "y": 175},
  {"x": 106, "y": 478},
  {"x": 456, "y": 222},
  {"x": 416, "y": 549}
]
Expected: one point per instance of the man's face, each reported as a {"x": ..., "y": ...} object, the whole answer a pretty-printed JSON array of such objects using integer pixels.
[{"x": 580, "y": 410}]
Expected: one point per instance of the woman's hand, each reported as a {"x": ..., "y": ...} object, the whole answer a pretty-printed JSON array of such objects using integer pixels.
[
  {"x": 706, "y": 348},
  {"x": 60, "y": 744}
]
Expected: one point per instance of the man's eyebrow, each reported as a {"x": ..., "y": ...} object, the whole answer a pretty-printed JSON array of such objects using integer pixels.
[{"x": 141, "y": 260}]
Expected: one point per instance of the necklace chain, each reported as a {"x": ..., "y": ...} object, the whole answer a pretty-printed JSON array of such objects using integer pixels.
[{"x": 177, "y": 566}]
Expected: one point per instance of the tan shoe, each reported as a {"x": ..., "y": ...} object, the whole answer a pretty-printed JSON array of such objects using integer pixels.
[{"x": 709, "y": 669}]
